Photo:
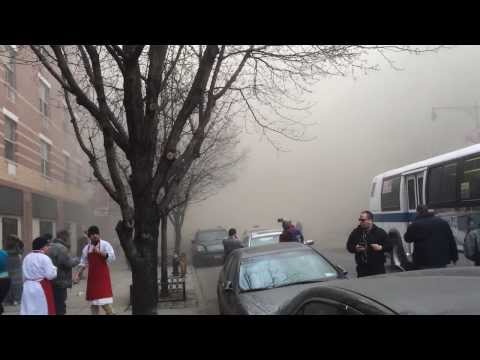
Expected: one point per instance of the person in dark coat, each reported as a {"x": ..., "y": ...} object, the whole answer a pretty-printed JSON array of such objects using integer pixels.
[
  {"x": 4, "y": 278},
  {"x": 434, "y": 244},
  {"x": 369, "y": 243},
  {"x": 14, "y": 248},
  {"x": 59, "y": 252},
  {"x": 231, "y": 243}
]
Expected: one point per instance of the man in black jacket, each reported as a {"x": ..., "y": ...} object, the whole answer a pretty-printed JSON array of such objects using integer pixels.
[
  {"x": 369, "y": 243},
  {"x": 59, "y": 252},
  {"x": 434, "y": 244}
]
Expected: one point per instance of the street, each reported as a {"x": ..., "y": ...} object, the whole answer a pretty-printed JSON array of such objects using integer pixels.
[{"x": 207, "y": 276}]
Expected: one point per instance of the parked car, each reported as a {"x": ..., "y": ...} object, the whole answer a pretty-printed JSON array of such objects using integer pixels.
[
  {"x": 447, "y": 291},
  {"x": 207, "y": 247},
  {"x": 259, "y": 237},
  {"x": 258, "y": 280}
]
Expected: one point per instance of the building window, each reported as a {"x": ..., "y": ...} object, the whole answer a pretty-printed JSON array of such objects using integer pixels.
[
  {"x": 10, "y": 226},
  {"x": 45, "y": 153},
  {"x": 44, "y": 96},
  {"x": 67, "y": 170},
  {"x": 9, "y": 130}
]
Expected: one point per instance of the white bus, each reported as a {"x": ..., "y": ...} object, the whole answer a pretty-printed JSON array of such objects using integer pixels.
[{"x": 448, "y": 183}]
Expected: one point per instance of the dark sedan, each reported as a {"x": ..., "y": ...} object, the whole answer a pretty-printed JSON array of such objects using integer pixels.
[
  {"x": 207, "y": 247},
  {"x": 448, "y": 291},
  {"x": 259, "y": 280}
]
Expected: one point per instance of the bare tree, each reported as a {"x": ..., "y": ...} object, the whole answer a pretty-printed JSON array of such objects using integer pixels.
[
  {"x": 213, "y": 170},
  {"x": 126, "y": 92}
]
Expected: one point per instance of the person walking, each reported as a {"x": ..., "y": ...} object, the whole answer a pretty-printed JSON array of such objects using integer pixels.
[
  {"x": 97, "y": 254},
  {"x": 38, "y": 271},
  {"x": 434, "y": 244},
  {"x": 4, "y": 278},
  {"x": 59, "y": 252},
  {"x": 231, "y": 243},
  {"x": 369, "y": 243},
  {"x": 14, "y": 249}
]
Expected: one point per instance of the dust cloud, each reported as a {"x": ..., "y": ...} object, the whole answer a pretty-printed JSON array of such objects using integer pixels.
[{"x": 364, "y": 126}]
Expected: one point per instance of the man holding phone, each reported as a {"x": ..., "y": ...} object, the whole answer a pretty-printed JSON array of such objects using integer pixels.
[
  {"x": 97, "y": 254},
  {"x": 369, "y": 243}
]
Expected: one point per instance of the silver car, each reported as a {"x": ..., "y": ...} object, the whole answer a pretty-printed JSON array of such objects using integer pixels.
[{"x": 259, "y": 237}]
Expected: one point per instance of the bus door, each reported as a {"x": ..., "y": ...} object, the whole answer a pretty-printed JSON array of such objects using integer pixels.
[{"x": 415, "y": 195}]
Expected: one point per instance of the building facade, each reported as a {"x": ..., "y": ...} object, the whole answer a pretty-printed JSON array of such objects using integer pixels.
[{"x": 43, "y": 172}]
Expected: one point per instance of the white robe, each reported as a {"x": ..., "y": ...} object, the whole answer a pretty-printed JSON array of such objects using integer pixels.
[
  {"x": 36, "y": 267},
  {"x": 105, "y": 247}
]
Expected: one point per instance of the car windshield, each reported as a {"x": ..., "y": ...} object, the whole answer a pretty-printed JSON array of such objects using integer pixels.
[
  {"x": 281, "y": 269},
  {"x": 264, "y": 240},
  {"x": 206, "y": 236}
]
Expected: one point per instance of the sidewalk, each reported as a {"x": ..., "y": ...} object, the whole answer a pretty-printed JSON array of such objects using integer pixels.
[{"x": 121, "y": 279}]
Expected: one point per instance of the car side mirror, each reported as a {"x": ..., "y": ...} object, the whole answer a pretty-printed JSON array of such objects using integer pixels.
[
  {"x": 342, "y": 270},
  {"x": 309, "y": 242},
  {"x": 227, "y": 286}
]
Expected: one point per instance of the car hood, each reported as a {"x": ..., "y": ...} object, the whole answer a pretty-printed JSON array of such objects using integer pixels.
[{"x": 267, "y": 302}]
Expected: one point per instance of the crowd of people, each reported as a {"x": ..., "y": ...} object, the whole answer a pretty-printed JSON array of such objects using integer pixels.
[
  {"x": 40, "y": 280},
  {"x": 434, "y": 243}
]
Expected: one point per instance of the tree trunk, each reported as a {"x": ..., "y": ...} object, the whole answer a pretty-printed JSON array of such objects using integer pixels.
[
  {"x": 142, "y": 256},
  {"x": 178, "y": 241},
  {"x": 178, "y": 236},
  {"x": 164, "y": 258}
]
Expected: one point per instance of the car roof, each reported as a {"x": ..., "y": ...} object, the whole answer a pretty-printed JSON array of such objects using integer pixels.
[
  {"x": 212, "y": 230},
  {"x": 266, "y": 232},
  {"x": 433, "y": 292},
  {"x": 249, "y": 252}
]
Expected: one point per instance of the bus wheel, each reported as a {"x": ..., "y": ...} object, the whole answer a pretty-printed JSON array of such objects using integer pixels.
[{"x": 398, "y": 256}]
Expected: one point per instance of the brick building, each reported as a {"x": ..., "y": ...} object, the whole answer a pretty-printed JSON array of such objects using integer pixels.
[{"x": 43, "y": 171}]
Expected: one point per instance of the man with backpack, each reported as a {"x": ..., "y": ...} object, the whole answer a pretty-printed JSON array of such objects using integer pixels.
[{"x": 471, "y": 246}]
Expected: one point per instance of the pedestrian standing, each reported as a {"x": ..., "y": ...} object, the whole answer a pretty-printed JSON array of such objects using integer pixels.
[
  {"x": 97, "y": 254},
  {"x": 59, "y": 252},
  {"x": 14, "y": 249},
  {"x": 434, "y": 244},
  {"x": 369, "y": 243},
  {"x": 38, "y": 271},
  {"x": 4, "y": 278},
  {"x": 231, "y": 243},
  {"x": 471, "y": 244}
]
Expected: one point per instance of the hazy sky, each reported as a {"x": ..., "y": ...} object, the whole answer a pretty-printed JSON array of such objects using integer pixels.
[{"x": 364, "y": 126}]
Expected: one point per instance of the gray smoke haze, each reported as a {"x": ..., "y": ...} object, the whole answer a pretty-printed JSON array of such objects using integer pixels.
[{"x": 364, "y": 126}]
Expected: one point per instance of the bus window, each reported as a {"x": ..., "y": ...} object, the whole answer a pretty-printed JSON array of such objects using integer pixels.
[
  {"x": 450, "y": 183},
  {"x": 411, "y": 193},
  {"x": 442, "y": 184},
  {"x": 391, "y": 194},
  {"x": 470, "y": 188},
  {"x": 420, "y": 190}
]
